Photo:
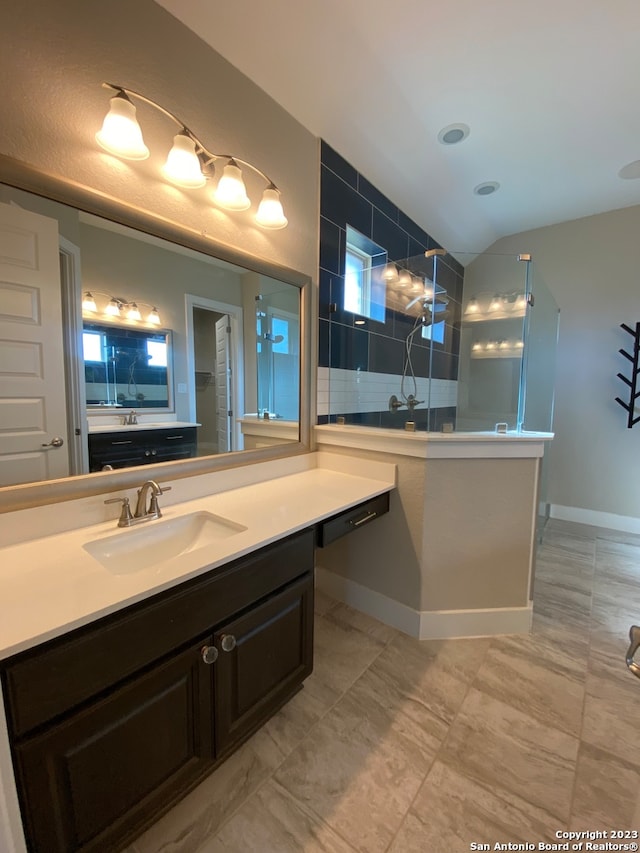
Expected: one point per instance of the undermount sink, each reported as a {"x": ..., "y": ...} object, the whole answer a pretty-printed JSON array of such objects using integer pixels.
[{"x": 137, "y": 548}]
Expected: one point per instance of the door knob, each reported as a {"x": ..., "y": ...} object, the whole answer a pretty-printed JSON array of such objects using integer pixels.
[
  {"x": 55, "y": 442},
  {"x": 228, "y": 642},
  {"x": 209, "y": 654}
]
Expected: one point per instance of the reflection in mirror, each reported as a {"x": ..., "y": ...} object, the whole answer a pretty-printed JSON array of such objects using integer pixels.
[
  {"x": 81, "y": 351},
  {"x": 127, "y": 367}
]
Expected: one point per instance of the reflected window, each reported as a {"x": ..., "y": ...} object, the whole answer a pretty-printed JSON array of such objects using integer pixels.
[
  {"x": 157, "y": 353},
  {"x": 93, "y": 346}
]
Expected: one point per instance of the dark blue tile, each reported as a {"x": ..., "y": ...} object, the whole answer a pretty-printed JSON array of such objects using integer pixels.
[
  {"x": 330, "y": 158},
  {"x": 390, "y": 236},
  {"x": 416, "y": 248},
  {"x": 324, "y": 294},
  {"x": 323, "y": 344},
  {"x": 444, "y": 365},
  {"x": 419, "y": 235},
  {"x": 323, "y": 419},
  {"x": 349, "y": 347},
  {"x": 330, "y": 241},
  {"x": 438, "y": 417},
  {"x": 377, "y": 199},
  {"x": 386, "y": 355},
  {"x": 340, "y": 203}
]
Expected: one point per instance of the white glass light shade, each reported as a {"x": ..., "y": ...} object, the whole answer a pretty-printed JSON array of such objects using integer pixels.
[
  {"x": 405, "y": 280},
  {"x": 120, "y": 133},
  {"x": 112, "y": 309},
  {"x": 390, "y": 272},
  {"x": 133, "y": 312},
  {"x": 89, "y": 303},
  {"x": 472, "y": 307},
  {"x": 270, "y": 213},
  {"x": 153, "y": 317},
  {"x": 183, "y": 166},
  {"x": 231, "y": 192},
  {"x": 496, "y": 303}
]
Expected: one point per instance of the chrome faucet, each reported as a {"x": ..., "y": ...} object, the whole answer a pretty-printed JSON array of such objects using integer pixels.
[
  {"x": 131, "y": 420},
  {"x": 153, "y": 510},
  {"x": 142, "y": 513}
]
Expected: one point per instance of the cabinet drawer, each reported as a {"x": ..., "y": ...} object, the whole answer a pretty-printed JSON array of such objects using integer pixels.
[
  {"x": 50, "y": 680},
  {"x": 352, "y": 519}
]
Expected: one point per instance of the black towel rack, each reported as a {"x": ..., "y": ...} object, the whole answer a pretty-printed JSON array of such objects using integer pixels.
[{"x": 630, "y": 406}]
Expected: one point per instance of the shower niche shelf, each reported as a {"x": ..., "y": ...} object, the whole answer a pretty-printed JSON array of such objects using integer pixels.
[{"x": 630, "y": 405}]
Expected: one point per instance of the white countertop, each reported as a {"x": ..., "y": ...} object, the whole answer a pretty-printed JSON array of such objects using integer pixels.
[
  {"x": 98, "y": 427},
  {"x": 51, "y": 585},
  {"x": 435, "y": 445}
]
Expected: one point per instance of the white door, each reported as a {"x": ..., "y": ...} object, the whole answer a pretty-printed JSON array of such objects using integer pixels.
[
  {"x": 223, "y": 383},
  {"x": 33, "y": 418}
]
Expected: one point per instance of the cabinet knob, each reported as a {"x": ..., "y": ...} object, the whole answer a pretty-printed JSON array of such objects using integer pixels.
[
  {"x": 209, "y": 654},
  {"x": 228, "y": 642}
]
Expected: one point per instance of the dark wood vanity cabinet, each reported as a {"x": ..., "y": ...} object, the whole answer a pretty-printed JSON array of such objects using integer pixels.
[
  {"x": 111, "y": 724},
  {"x": 129, "y": 448}
]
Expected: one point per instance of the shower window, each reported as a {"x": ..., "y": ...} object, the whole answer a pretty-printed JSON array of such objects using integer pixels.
[{"x": 364, "y": 286}]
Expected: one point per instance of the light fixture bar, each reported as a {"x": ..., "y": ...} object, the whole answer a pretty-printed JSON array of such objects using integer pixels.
[{"x": 270, "y": 213}]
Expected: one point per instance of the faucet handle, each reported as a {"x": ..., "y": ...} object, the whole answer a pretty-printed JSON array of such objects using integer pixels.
[
  {"x": 154, "y": 507},
  {"x": 125, "y": 516}
]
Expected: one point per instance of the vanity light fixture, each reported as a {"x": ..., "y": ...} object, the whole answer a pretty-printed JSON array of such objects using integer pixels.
[
  {"x": 472, "y": 306},
  {"x": 189, "y": 164},
  {"x": 496, "y": 303},
  {"x": 118, "y": 307}
]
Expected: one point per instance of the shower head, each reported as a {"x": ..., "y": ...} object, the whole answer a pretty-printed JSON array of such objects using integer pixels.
[{"x": 431, "y": 252}]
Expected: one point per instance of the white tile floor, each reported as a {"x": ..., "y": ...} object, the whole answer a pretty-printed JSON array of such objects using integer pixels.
[{"x": 402, "y": 746}]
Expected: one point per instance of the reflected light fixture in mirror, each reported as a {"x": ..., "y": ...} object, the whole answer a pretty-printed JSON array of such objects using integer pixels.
[
  {"x": 189, "y": 164},
  {"x": 118, "y": 307}
]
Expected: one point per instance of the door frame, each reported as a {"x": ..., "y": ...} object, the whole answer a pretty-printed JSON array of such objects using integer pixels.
[{"x": 236, "y": 345}]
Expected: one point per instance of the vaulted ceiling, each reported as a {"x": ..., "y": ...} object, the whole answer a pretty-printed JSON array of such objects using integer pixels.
[{"x": 549, "y": 89}]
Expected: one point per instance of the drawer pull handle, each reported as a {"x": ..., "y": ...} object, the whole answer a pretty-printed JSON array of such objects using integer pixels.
[
  {"x": 209, "y": 654},
  {"x": 121, "y": 442},
  {"x": 228, "y": 642},
  {"x": 173, "y": 437},
  {"x": 634, "y": 637},
  {"x": 368, "y": 517}
]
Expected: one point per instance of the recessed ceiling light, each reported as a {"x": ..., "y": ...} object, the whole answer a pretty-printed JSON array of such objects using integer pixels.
[
  {"x": 630, "y": 171},
  {"x": 453, "y": 133},
  {"x": 487, "y": 188}
]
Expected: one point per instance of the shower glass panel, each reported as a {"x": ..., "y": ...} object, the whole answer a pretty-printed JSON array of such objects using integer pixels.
[
  {"x": 278, "y": 354},
  {"x": 451, "y": 350},
  {"x": 492, "y": 342}
]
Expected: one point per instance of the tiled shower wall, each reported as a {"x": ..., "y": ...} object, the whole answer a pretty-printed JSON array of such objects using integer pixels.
[{"x": 361, "y": 366}]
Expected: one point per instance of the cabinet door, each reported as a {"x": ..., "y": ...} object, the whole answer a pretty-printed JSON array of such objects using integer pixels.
[
  {"x": 264, "y": 656},
  {"x": 90, "y": 780}
]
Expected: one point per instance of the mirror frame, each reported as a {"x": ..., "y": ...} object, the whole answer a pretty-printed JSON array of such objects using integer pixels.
[{"x": 22, "y": 176}]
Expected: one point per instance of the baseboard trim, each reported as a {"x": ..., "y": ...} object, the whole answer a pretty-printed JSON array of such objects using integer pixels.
[
  {"x": 426, "y": 624},
  {"x": 625, "y": 523}
]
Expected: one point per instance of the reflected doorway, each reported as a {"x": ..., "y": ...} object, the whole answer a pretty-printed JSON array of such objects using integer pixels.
[{"x": 215, "y": 371}]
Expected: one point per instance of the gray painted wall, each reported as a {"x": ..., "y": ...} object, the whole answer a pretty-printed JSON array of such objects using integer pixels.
[
  {"x": 54, "y": 59},
  {"x": 591, "y": 266}
]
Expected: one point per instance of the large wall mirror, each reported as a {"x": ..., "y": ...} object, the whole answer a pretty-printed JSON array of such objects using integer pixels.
[{"x": 110, "y": 333}]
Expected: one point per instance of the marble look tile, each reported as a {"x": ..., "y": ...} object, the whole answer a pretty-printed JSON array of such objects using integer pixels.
[
  {"x": 563, "y": 540},
  {"x": 614, "y": 616},
  {"x": 322, "y": 603},
  {"x": 611, "y": 719},
  {"x": 605, "y": 791},
  {"x": 200, "y": 813},
  {"x": 568, "y": 603},
  {"x": 451, "y": 810},
  {"x": 538, "y": 677},
  {"x": 431, "y": 677},
  {"x": 342, "y": 652},
  {"x": 358, "y": 770},
  {"x": 272, "y": 821},
  {"x": 503, "y": 748},
  {"x": 346, "y": 615}
]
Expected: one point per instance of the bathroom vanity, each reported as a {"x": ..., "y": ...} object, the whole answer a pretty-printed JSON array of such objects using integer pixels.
[
  {"x": 126, "y": 678},
  {"x": 141, "y": 444}
]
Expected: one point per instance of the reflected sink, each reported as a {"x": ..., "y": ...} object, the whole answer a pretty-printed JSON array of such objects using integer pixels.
[{"x": 138, "y": 548}]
